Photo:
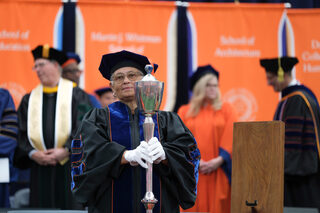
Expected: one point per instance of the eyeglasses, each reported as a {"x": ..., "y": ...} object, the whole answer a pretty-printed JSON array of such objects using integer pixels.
[
  {"x": 39, "y": 65},
  {"x": 132, "y": 76}
]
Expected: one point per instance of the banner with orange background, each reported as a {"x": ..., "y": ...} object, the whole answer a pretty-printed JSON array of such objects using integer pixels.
[
  {"x": 111, "y": 26},
  {"x": 28, "y": 24},
  {"x": 306, "y": 46},
  {"x": 232, "y": 38}
]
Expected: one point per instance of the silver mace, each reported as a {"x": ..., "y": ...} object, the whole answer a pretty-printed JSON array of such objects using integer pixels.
[{"x": 149, "y": 93}]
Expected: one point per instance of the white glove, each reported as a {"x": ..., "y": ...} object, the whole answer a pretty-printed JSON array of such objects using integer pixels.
[
  {"x": 139, "y": 155},
  {"x": 156, "y": 151}
]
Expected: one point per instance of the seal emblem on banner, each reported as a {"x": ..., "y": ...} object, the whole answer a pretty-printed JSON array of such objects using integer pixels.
[{"x": 244, "y": 103}]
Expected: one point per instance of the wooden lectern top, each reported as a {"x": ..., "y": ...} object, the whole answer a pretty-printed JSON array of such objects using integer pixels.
[{"x": 257, "y": 167}]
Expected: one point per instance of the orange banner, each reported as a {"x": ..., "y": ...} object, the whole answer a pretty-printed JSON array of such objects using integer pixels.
[
  {"x": 140, "y": 27},
  {"x": 306, "y": 33},
  {"x": 232, "y": 38},
  {"x": 28, "y": 24}
]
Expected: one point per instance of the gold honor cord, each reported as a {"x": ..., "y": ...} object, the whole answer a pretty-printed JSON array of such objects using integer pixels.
[{"x": 280, "y": 71}]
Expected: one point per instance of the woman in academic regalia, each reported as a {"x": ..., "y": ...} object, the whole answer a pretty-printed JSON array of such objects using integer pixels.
[
  {"x": 211, "y": 123},
  {"x": 110, "y": 154}
]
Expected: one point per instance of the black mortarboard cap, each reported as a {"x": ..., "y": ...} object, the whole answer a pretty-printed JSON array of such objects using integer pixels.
[
  {"x": 47, "y": 52},
  {"x": 113, "y": 61},
  {"x": 200, "y": 72},
  {"x": 75, "y": 56},
  {"x": 103, "y": 90},
  {"x": 272, "y": 64}
]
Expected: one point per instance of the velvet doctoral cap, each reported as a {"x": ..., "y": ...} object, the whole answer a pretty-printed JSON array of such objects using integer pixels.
[
  {"x": 114, "y": 61},
  {"x": 272, "y": 64},
  {"x": 103, "y": 90},
  {"x": 47, "y": 52},
  {"x": 200, "y": 72}
]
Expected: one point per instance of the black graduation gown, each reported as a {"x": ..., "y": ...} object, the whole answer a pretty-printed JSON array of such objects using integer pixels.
[
  {"x": 106, "y": 186},
  {"x": 49, "y": 185},
  {"x": 299, "y": 110}
]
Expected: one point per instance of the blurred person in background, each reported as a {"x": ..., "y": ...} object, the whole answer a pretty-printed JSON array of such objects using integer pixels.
[
  {"x": 72, "y": 72},
  {"x": 8, "y": 142},
  {"x": 48, "y": 118},
  {"x": 299, "y": 109},
  {"x": 211, "y": 122},
  {"x": 106, "y": 96}
]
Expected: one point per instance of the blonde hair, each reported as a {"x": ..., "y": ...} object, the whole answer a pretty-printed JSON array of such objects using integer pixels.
[{"x": 199, "y": 95}]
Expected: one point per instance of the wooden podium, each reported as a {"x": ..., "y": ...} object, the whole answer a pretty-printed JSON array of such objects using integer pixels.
[{"x": 257, "y": 167}]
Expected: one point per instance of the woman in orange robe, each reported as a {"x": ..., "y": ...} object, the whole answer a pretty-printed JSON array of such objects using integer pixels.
[{"x": 211, "y": 123}]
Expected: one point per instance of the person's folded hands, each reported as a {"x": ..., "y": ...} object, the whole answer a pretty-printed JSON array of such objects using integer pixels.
[
  {"x": 139, "y": 155},
  {"x": 156, "y": 151}
]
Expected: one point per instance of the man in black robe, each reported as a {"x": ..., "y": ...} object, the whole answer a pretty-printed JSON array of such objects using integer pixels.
[
  {"x": 109, "y": 156},
  {"x": 299, "y": 109},
  {"x": 48, "y": 117}
]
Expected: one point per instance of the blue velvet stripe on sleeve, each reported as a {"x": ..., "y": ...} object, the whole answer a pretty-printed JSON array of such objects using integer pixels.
[
  {"x": 195, "y": 160},
  {"x": 77, "y": 166},
  {"x": 76, "y": 144},
  {"x": 8, "y": 125},
  {"x": 75, "y": 171},
  {"x": 76, "y": 157},
  {"x": 296, "y": 139},
  {"x": 77, "y": 152}
]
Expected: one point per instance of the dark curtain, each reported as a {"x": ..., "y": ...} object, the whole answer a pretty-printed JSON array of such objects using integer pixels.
[
  {"x": 182, "y": 59},
  {"x": 294, "y": 3},
  {"x": 69, "y": 27}
]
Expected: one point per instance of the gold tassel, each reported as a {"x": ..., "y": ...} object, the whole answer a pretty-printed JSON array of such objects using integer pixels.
[
  {"x": 45, "y": 51},
  {"x": 280, "y": 71}
]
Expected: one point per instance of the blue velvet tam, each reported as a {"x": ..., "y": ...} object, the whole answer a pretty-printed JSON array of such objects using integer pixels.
[
  {"x": 272, "y": 64},
  {"x": 200, "y": 72},
  {"x": 114, "y": 61},
  {"x": 103, "y": 90},
  {"x": 47, "y": 52},
  {"x": 75, "y": 56}
]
